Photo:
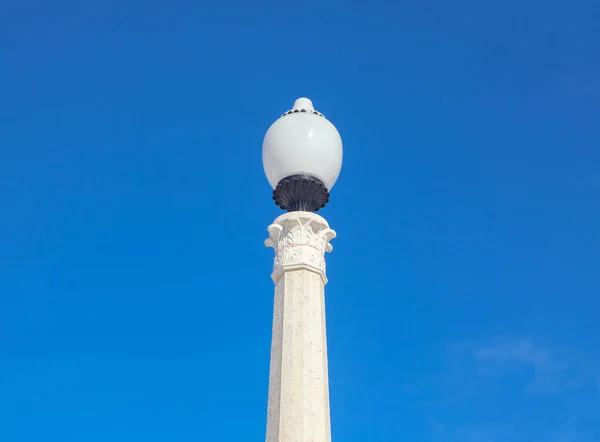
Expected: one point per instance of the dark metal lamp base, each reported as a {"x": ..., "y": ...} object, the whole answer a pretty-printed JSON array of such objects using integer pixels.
[{"x": 301, "y": 192}]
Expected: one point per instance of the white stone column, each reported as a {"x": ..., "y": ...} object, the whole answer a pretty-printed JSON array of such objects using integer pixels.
[{"x": 298, "y": 409}]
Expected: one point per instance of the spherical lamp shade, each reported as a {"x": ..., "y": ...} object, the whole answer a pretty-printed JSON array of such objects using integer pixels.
[{"x": 302, "y": 143}]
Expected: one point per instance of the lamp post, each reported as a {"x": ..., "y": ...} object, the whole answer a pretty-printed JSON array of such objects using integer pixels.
[{"x": 302, "y": 158}]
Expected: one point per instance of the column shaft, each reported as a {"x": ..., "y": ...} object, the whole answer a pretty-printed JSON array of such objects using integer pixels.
[{"x": 298, "y": 408}]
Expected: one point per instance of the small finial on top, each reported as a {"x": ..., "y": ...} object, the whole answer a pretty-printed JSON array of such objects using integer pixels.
[{"x": 303, "y": 103}]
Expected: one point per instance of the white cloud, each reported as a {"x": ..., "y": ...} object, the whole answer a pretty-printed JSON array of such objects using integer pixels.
[
  {"x": 469, "y": 433},
  {"x": 585, "y": 85},
  {"x": 479, "y": 434},
  {"x": 512, "y": 369},
  {"x": 549, "y": 369},
  {"x": 553, "y": 368},
  {"x": 566, "y": 436}
]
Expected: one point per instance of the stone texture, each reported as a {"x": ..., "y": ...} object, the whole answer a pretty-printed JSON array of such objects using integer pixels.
[{"x": 298, "y": 409}]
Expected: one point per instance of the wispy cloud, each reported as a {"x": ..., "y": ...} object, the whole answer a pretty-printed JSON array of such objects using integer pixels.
[
  {"x": 585, "y": 85},
  {"x": 566, "y": 436},
  {"x": 470, "y": 433},
  {"x": 437, "y": 426},
  {"x": 551, "y": 369},
  {"x": 511, "y": 389},
  {"x": 479, "y": 433}
]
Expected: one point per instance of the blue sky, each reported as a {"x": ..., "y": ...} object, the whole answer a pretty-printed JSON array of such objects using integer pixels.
[{"x": 135, "y": 298}]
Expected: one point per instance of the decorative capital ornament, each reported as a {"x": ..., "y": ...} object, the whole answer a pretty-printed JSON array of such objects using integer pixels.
[{"x": 300, "y": 240}]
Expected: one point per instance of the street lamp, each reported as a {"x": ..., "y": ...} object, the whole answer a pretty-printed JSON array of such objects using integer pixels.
[{"x": 302, "y": 158}]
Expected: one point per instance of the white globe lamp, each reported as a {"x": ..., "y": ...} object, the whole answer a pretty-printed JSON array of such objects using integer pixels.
[{"x": 302, "y": 157}]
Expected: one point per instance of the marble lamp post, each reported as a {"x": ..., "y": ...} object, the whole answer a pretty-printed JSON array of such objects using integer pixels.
[{"x": 302, "y": 158}]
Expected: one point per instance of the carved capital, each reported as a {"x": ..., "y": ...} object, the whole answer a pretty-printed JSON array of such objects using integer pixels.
[{"x": 300, "y": 240}]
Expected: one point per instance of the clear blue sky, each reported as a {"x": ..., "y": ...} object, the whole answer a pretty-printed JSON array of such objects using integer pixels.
[{"x": 135, "y": 297}]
